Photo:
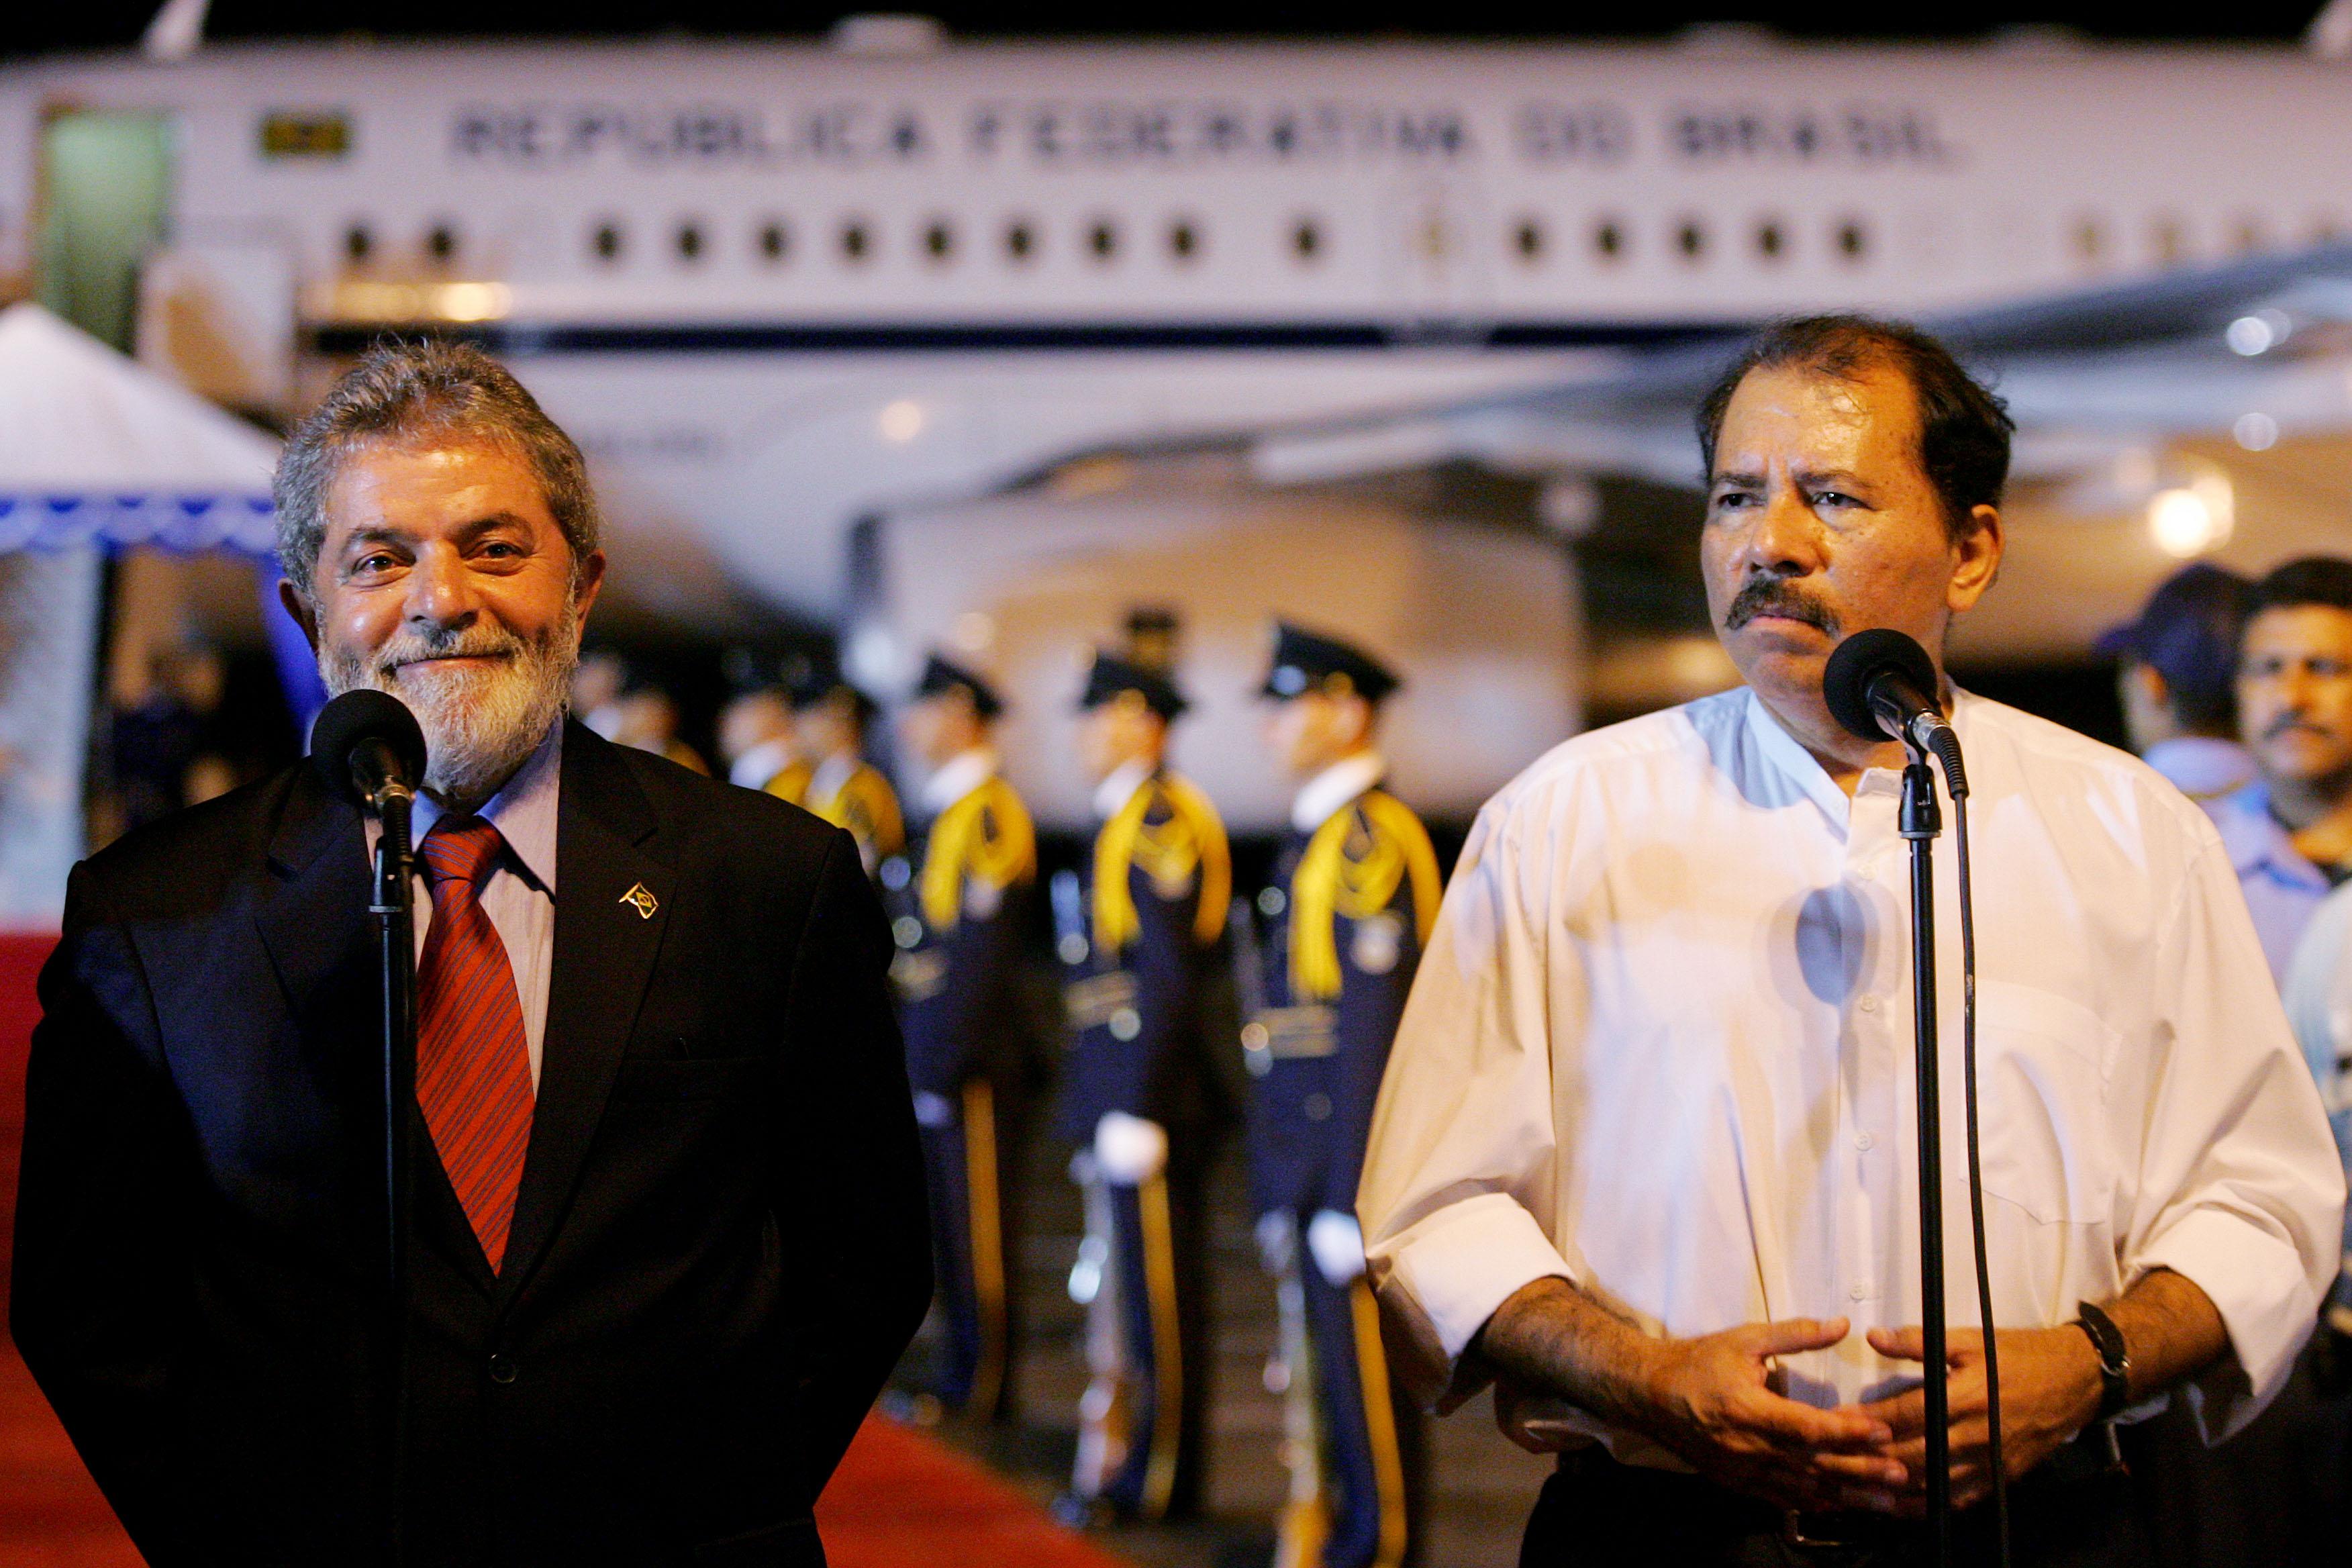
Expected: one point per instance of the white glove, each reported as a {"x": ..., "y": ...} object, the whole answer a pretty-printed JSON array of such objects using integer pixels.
[
  {"x": 1278, "y": 1240},
  {"x": 933, "y": 1111},
  {"x": 1336, "y": 1242},
  {"x": 1128, "y": 1150}
]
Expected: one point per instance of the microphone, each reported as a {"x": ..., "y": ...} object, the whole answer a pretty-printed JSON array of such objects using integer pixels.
[
  {"x": 1879, "y": 684},
  {"x": 368, "y": 744}
]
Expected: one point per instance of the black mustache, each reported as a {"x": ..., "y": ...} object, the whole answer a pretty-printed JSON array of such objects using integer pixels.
[
  {"x": 1778, "y": 597},
  {"x": 2285, "y": 721}
]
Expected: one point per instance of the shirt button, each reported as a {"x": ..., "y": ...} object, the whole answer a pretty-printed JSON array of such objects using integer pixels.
[
  {"x": 502, "y": 1367},
  {"x": 1319, "y": 1107},
  {"x": 1870, "y": 1003},
  {"x": 1864, "y": 1141},
  {"x": 1860, "y": 1292}
]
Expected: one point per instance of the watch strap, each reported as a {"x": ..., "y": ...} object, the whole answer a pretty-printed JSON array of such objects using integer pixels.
[{"x": 2114, "y": 1359}]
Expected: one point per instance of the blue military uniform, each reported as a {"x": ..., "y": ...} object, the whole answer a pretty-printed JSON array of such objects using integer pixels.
[
  {"x": 1354, "y": 894},
  {"x": 959, "y": 904},
  {"x": 1139, "y": 937}
]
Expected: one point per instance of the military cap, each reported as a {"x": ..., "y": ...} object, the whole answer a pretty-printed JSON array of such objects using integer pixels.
[
  {"x": 942, "y": 675},
  {"x": 1305, "y": 662},
  {"x": 1112, "y": 677}
]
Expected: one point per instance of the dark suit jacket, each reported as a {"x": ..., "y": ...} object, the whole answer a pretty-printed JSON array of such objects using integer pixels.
[{"x": 718, "y": 1248}]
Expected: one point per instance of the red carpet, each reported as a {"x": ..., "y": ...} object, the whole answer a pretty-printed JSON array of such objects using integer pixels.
[{"x": 899, "y": 1500}]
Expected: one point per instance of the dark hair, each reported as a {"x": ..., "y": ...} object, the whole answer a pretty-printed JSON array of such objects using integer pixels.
[
  {"x": 1964, "y": 429},
  {"x": 401, "y": 391},
  {"x": 2306, "y": 580}
]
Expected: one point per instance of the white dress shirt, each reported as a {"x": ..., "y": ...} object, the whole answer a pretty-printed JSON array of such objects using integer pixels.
[
  {"x": 1119, "y": 785},
  {"x": 760, "y": 763},
  {"x": 957, "y": 777},
  {"x": 1320, "y": 797},
  {"x": 1661, "y": 1046},
  {"x": 520, "y": 896}
]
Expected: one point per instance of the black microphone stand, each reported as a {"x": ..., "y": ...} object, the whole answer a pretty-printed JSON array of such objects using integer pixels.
[
  {"x": 1920, "y": 820},
  {"x": 391, "y": 904}
]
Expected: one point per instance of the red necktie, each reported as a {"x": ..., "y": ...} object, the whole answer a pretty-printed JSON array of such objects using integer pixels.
[{"x": 473, "y": 1067}]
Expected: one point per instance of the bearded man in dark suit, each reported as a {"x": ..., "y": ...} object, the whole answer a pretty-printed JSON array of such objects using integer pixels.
[{"x": 668, "y": 1231}]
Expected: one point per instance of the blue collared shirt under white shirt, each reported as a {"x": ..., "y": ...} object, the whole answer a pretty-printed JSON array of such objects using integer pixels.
[{"x": 520, "y": 896}]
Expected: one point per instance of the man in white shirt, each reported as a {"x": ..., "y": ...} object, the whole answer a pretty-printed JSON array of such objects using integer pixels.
[{"x": 1642, "y": 1152}]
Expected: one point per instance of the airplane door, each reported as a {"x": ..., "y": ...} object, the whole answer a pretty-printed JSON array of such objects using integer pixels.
[{"x": 104, "y": 199}]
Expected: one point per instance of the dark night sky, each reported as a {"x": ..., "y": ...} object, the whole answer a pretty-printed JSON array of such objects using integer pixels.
[{"x": 97, "y": 24}]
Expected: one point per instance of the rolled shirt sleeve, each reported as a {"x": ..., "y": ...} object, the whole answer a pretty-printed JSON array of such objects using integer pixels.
[{"x": 2237, "y": 1189}]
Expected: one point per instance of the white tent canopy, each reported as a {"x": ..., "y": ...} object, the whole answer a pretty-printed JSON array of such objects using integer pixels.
[{"x": 96, "y": 449}]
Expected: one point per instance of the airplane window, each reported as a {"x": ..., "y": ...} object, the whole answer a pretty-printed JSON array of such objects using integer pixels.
[
  {"x": 2325, "y": 229},
  {"x": 1306, "y": 239},
  {"x": 2167, "y": 240},
  {"x": 939, "y": 240},
  {"x": 358, "y": 243},
  {"x": 2246, "y": 236},
  {"x": 854, "y": 241},
  {"x": 1852, "y": 239},
  {"x": 1183, "y": 240},
  {"x": 1102, "y": 240},
  {"x": 2090, "y": 239},
  {"x": 689, "y": 242},
  {"x": 1529, "y": 239},
  {"x": 1691, "y": 240},
  {"x": 1609, "y": 240},
  {"x": 441, "y": 243},
  {"x": 605, "y": 241},
  {"x": 1771, "y": 243},
  {"x": 774, "y": 240},
  {"x": 1020, "y": 240}
]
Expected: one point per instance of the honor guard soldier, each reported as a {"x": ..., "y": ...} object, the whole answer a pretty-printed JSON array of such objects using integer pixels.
[
  {"x": 757, "y": 743},
  {"x": 1140, "y": 940},
  {"x": 829, "y": 719},
  {"x": 958, "y": 903},
  {"x": 1355, "y": 892}
]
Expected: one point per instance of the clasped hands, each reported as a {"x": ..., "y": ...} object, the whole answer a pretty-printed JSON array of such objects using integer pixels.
[{"x": 1712, "y": 1400}]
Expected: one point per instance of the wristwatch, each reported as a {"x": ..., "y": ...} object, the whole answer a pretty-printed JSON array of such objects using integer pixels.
[{"x": 2114, "y": 1359}]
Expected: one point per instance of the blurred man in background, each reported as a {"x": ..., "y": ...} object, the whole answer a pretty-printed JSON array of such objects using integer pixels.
[
  {"x": 2290, "y": 831},
  {"x": 829, "y": 723},
  {"x": 1354, "y": 894},
  {"x": 756, "y": 739},
  {"x": 1139, "y": 1095},
  {"x": 597, "y": 684},
  {"x": 2177, "y": 679},
  {"x": 959, "y": 905},
  {"x": 648, "y": 720}
]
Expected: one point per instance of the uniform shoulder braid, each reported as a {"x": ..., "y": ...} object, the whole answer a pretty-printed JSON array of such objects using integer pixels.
[
  {"x": 869, "y": 807},
  {"x": 1356, "y": 866},
  {"x": 1168, "y": 831},
  {"x": 791, "y": 783},
  {"x": 986, "y": 838}
]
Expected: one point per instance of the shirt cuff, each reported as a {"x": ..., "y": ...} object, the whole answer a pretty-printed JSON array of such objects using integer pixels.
[
  {"x": 1443, "y": 1278},
  {"x": 2258, "y": 1285}
]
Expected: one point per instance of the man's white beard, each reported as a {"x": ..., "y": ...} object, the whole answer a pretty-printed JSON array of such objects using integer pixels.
[{"x": 481, "y": 722}]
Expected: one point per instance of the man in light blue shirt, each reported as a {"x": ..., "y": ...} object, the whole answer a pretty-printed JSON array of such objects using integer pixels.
[{"x": 2289, "y": 833}]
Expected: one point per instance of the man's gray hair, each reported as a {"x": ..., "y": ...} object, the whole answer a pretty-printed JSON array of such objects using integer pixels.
[{"x": 403, "y": 393}]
